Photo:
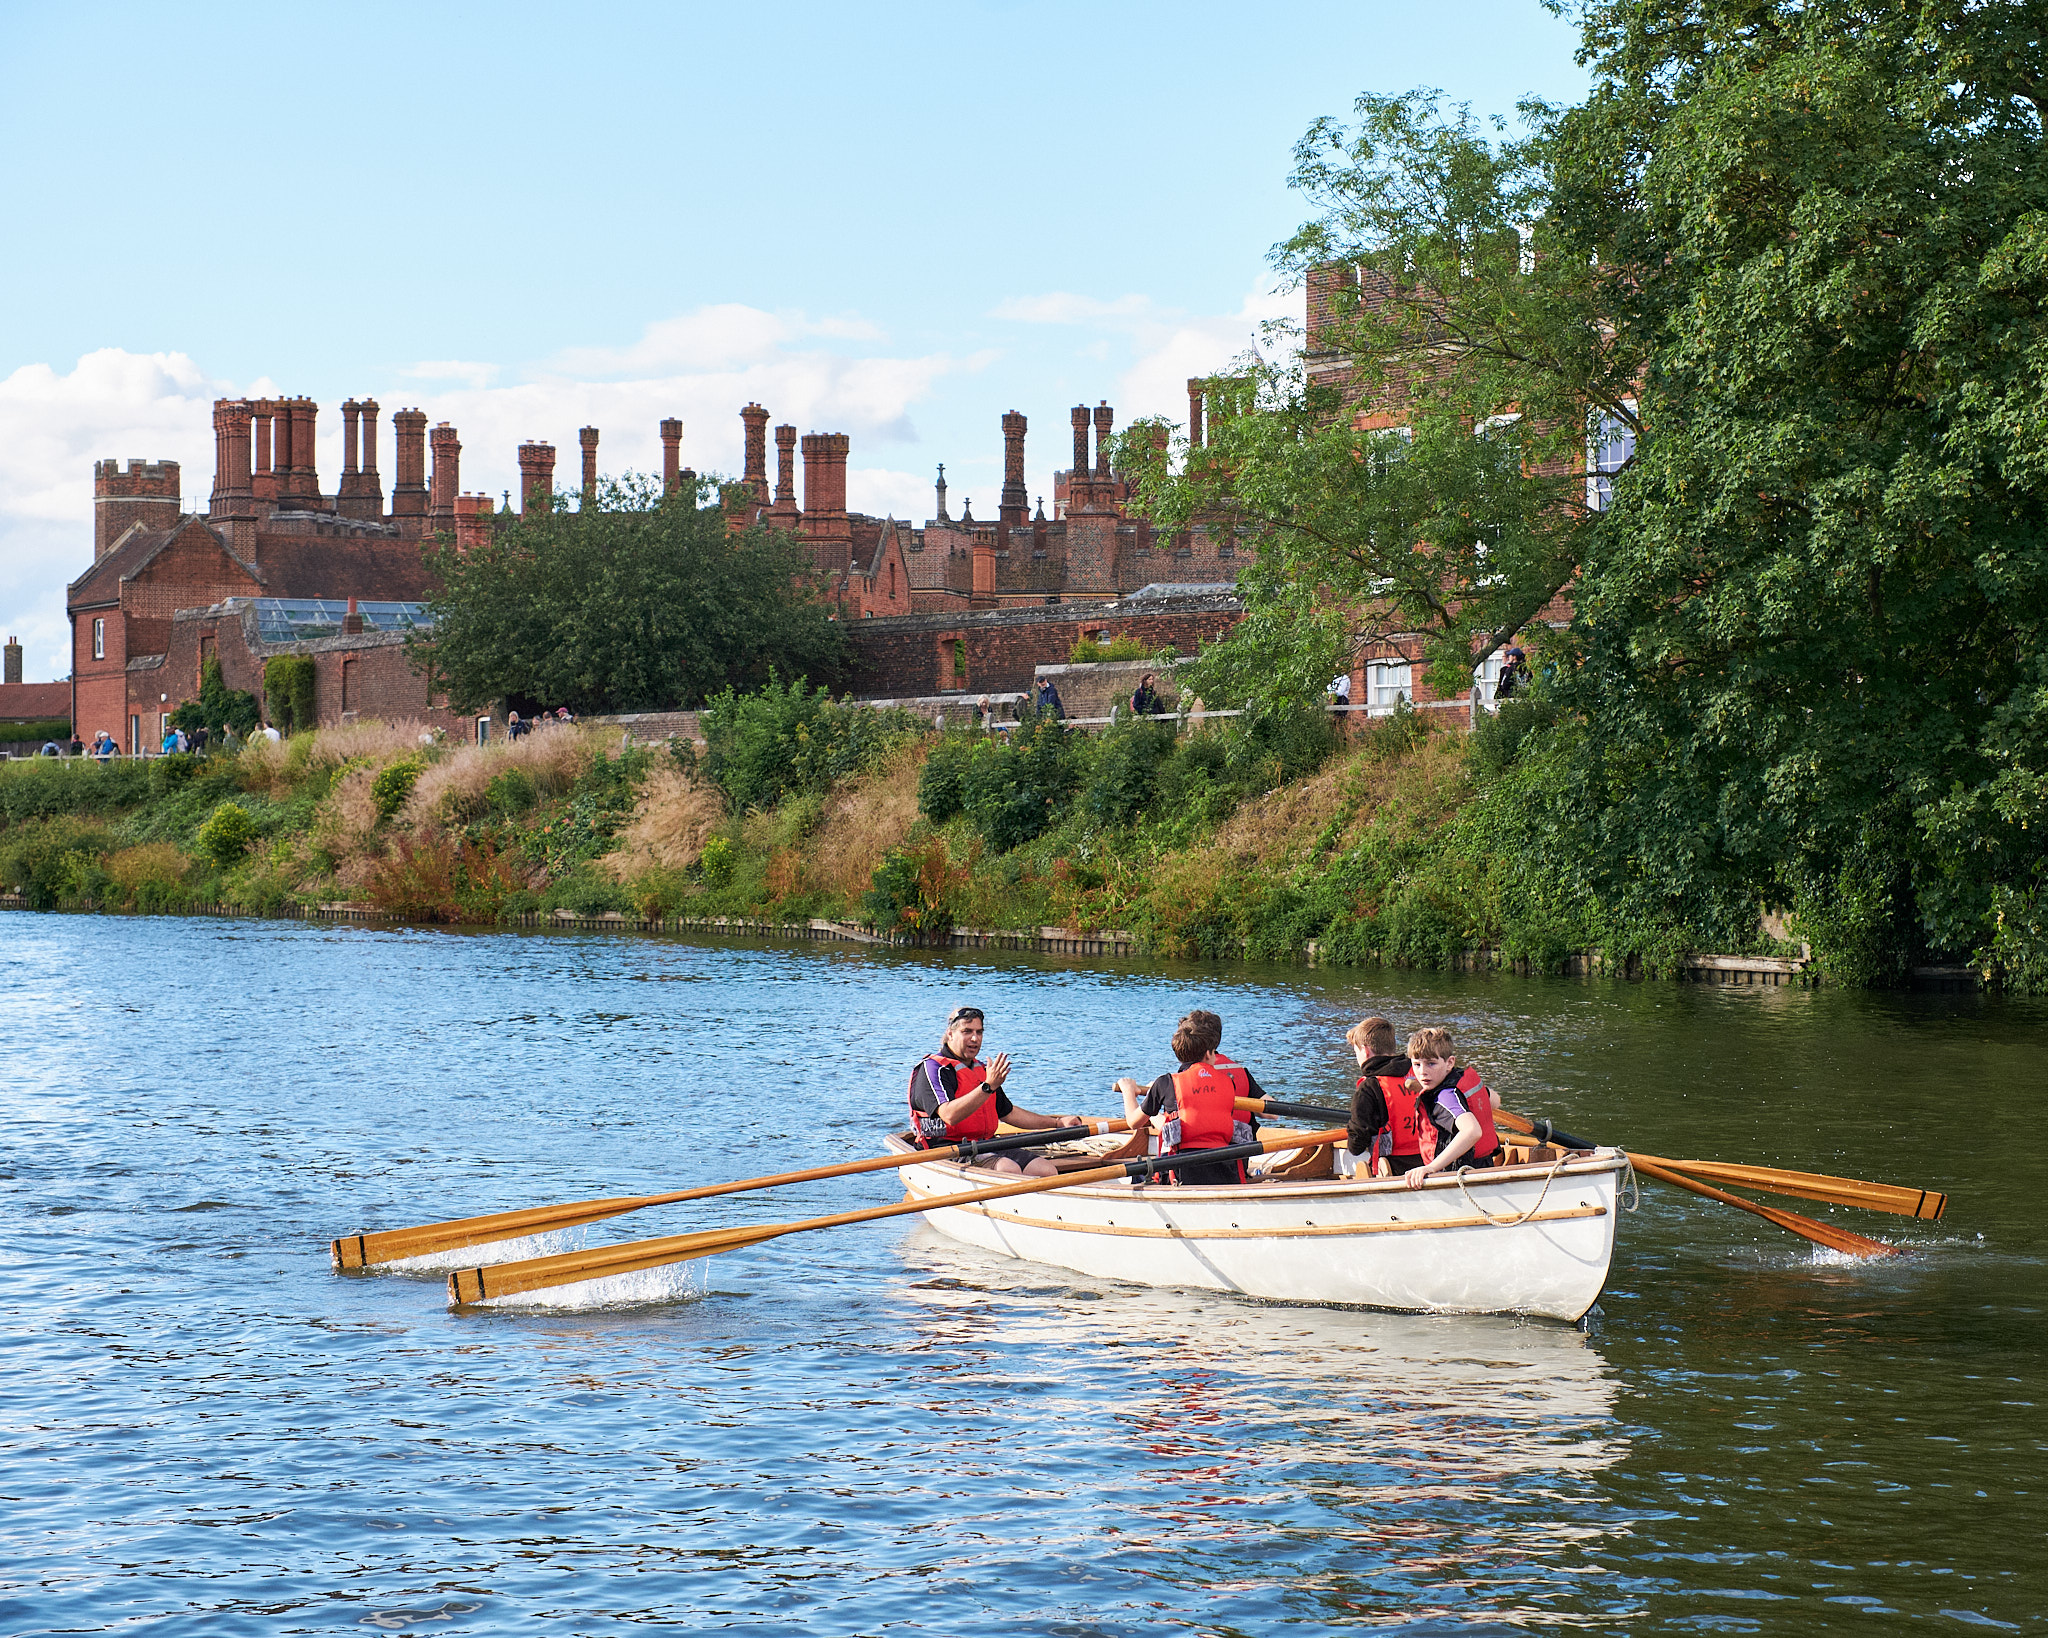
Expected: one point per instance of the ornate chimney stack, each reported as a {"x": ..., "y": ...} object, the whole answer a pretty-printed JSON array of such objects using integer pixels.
[
  {"x": 1194, "y": 412},
  {"x": 588, "y": 499},
  {"x": 350, "y": 411},
  {"x": 1015, "y": 506},
  {"x": 671, "y": 455},
  {"x": 1105, "y": 418},
  {"x": 536, "y": 479},
  {"x": 784, "y": 514},
  {"x": 263, "y": 480},
  {"x": 755, "y": 476},
  {"x": 232, "y": 495},
  {"x": 409, "y": 471},
  {"x": 369, "y": 487},
  {"x": 298, "y": 483},
  {"x": 447, "y": 480}
]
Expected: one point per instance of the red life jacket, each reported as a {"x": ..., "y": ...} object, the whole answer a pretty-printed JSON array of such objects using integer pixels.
[
  {"x": 929, "y": 1129},
  {"x": 1206, "y": 1095},
  {"x": 1478, "y": 1100},
  {"x": 1405, "y": 1120}
]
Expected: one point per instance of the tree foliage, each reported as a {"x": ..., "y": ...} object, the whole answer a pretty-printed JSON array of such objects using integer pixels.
[
  {"x": 218, "y": 705},
  {"x": 1799, "y": 253},
  {"x": 640, "y": 602}
]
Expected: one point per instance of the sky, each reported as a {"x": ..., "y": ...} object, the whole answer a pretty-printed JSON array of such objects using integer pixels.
[{"x": 895, "y": 221}]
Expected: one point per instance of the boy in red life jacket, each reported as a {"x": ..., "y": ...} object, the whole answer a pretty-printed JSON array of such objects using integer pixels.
[
  {"x": 955, "y": 1096},
  {"x": 1196, "y": 1106},
  {"x": 1455, "y": 1108},
  {"x": 1381, "y": 1071}
]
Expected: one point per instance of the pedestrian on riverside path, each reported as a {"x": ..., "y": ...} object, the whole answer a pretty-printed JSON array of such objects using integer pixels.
[{"x": 1145, "y": 698}]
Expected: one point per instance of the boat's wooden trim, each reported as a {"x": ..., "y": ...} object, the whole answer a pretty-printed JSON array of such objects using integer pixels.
[{"x": 1306, "y": 1231}]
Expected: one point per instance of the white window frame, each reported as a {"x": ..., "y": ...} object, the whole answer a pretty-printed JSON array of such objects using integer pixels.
[
  {"x": 1387, "y": 683},
  {"x": 99, "y": 638},
  {"x": 1486, "y": 682},
  {"x": 1604, "y": 432}
]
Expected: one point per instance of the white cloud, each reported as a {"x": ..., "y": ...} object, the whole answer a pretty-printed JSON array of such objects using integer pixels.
[
  {"x": 1156, "y": 383},
  {"x": 725, "y": 336}
]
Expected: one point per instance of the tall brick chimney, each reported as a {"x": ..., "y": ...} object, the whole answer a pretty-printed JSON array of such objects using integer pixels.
[
  {"x": 783, "y": 514},
  {"x": 446, "y": 483},
  {"x": 232, "y": 495},
  {"x": 473, "y": 514},
  {"x": 369, "y": 486},
  {"x": 1105, "y": 418},
  {"x": 409, "y": 471},
  {"x": 755, "y": 476},
  {"x": 588, "y": 499},
  {"x": 12, "y": 673},
  {"x": 671, "y": 455},
  {"x": 298, "y": 484},
  {"x": 263, "y": 477},
  {"x": 147, "y": 493},
  {"x": 1194, "y": 412},
  {"x": 1015, "y": 506},
  {"x": 350, "y": 410},
  {"x": 536, "y": 479},
  {"x": 349, "y": 500},
  {"x": 825, "y": 522}
]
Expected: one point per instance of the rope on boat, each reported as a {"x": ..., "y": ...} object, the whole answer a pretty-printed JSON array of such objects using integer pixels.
[
  {"x": 1549, "y": 1178},
  {"x": 1635, "y": 1193}
]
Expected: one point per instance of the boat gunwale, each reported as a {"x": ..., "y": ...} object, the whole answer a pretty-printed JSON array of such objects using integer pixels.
[{"x": 1597, "y": 1162}]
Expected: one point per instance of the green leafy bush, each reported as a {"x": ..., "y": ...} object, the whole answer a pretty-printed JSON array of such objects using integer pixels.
[
  {"x": 226, "y": 835},
  {"x": 717, "y": 862},
  {"x": 511, "y": 793},
  {"x": 1125, "y": 771},
  {"x": 218, "y": 707},
  {"x": 394, "y": 783},
  {"x": 789, "y": 737},
  {"x": 44, "y": 860},
  {"x": 290, "y": 692}
]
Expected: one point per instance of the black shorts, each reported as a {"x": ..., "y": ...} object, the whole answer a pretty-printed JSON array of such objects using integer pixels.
[
  {"x": 1209, "y": 1172},
  {"x": 1023, "y": 1158}
]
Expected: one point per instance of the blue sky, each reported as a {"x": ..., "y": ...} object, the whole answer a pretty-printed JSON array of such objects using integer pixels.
[{"x": 896, "y": 222}]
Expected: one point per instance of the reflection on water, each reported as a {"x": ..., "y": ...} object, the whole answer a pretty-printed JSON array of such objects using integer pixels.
[{"x": 203, "y": 1429}]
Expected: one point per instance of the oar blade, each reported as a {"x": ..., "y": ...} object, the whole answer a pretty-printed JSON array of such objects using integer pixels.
[
  {"x": 474, "y": 1285},
  {"x": 358, "y": 1251},
  {"x": 1925, "y": 1204}
]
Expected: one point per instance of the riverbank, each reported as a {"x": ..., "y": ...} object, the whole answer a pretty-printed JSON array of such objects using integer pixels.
[{"x": 1275, "y": 839}]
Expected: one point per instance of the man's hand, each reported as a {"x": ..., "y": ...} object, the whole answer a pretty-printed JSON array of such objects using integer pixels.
[{"x": 998, "y": 1069}]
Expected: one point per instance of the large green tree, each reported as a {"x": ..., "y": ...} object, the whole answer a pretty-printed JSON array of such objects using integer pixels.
[
  {"x": 1796, "y": 254},
  {"x": 643, "y": 601}
]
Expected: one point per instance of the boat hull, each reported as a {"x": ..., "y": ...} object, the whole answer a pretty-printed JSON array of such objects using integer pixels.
[{"x": 1437, "y": 1249}]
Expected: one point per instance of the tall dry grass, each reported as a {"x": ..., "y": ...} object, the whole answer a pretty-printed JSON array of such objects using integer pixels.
[
  {"x": 862, "y": 822},
  {"x": 453, "y": 789},
  {"x": 672, "y": 820},
  {"x": 274, "y": 766}
]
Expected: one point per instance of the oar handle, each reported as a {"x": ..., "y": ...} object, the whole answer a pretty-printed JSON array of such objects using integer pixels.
[{"x": 1300, "y": 1111}]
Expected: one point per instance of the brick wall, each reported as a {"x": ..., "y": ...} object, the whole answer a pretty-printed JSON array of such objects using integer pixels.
[
  {"x": 147, "y": 493},
  {"x": 906, "y": 656}
]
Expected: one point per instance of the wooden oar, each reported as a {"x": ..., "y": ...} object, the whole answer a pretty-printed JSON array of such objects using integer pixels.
[
  {"x": 537, "y": 1273},
  {"x": 355, "y": 1251},
  {"x": 1807, "y": 1228},
  {"x": 1826, "y": 1234},
  {"x": 1836, "y": 1191}
]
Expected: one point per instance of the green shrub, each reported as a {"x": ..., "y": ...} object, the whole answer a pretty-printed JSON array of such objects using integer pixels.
[
  {"x": 171, "y": 771},
  {"x": 39, "y": 731},
  {"x": 914, "y": 890},
  {"x": 394, "y": 783},
  {"x": 717, "y": 862},
  {"x": 1125, "y": 774},
  {"x": 225, "y": 837},
  {"x": 511, "y": 793},
  {"x": 1087, "y": 651},
  {"x": 1498, "y": 736},
  {"x": 939, "y": 782},
  {"x": 45, "y": 860},
  {"x": 1017, "y": 787},
  {"x": 42, "y": 787},
  {"x": 783, "y": 738},
  {"x": 218, "y": 707},
  {"x": 290, "y": 692}
]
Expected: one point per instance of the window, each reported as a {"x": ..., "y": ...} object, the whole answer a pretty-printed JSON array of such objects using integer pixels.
[
  {"x": 99, "y": 639},
  {"x": 1486, "y": 683},
  {"x": 1387, "y": 683},
  {"x": 134, "y": 735},
  {"x": 1610, "y": 446},
  {"x": 483, "y": 730}
]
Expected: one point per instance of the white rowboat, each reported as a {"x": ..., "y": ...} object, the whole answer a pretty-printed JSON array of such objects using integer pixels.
[{"x": 1526, "y": 1239}]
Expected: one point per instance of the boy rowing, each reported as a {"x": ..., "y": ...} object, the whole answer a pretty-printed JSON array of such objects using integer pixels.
[
  {"x": 1418, "y": 1112},
  {"x": 1197, "y": 1104}
]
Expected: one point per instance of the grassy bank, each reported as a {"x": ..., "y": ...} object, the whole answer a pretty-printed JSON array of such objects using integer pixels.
[{"x": 1403, "y": 845}]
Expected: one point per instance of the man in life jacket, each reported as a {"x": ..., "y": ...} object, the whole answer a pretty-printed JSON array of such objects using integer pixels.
[
  {"x": 1195, "y": 1107},
  {"x": 1454, "y": 1109},
  {"x": 955, "y": 1096},
  {"x": 1381, "y": 1072}
]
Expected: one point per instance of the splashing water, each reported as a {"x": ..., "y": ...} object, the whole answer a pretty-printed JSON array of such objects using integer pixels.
[
  {"x": 550, "y": 1244},
  {"x": 674, "y": 1282}
]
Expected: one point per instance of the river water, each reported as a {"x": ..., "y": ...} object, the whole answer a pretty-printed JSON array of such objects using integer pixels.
[{"x": 204, "y": 1430}]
